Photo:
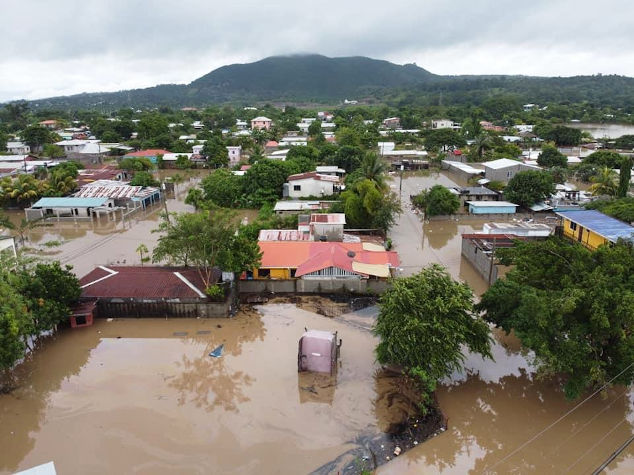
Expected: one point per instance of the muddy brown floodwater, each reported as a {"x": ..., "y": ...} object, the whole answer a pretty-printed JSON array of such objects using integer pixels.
[
  {"x": 143, "y": 396},
  {"x": 495, "y": 407}
]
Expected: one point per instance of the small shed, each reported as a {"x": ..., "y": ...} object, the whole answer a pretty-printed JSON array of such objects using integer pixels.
[
  {"x": 83, "y": 314},
  {"x": 318, "y": 351},
  {"x": 67, "y": 207},
  {"x": 491, "y": 207}
]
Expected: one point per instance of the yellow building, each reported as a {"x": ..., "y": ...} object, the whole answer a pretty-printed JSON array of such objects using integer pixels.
[{"x": 593, "y": 228}]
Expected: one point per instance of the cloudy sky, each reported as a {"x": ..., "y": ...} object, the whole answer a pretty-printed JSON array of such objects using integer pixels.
[{"x": 60, "y": 47}]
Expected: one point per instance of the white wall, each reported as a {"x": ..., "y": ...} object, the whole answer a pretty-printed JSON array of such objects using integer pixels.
[{"x": 310, "y": 187}]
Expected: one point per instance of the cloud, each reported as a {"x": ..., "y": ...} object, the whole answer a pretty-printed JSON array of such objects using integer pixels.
[{"x": 70, "y": 46}]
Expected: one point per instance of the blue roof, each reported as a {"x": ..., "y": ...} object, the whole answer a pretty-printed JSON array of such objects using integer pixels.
[
  {"x": 70, "y": 202},
  {"x": 606, "y": 226}
]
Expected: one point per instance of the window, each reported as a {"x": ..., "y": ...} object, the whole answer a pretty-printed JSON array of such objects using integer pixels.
[
  {"x": 297, "y": 187},
  {"x": 573, "y": 226}
]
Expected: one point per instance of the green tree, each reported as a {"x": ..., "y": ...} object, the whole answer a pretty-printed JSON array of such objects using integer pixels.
[
  {"x": 374, "y": 169},
  {"x": 143, "y": 178},
  {"x": 481, "y": 144},
  {"x": 264, "y": 181},
  {"x": 347, "y": 157},
  {"x": 621, "y": 208},
  {"x": 369, "y": 207},
  {"x": 529, "y": 187},
  {"x": 551, "y": 157},
  {"x": 439, "y": 139},
  {"x": 424, "y": 321},
  {"x": 152, "y": 128},
  {"x": 183, "y": 162},
  {"x": 625, "y": 175},
  {"x": 142, "y": 249},
  {"x": 35, "y": 136},
  {"x": 604, "y": 182},
  {"x": 206, "y": 240},
  {"x": 222, "y": 188},
  {"x": 12, "y": 330},
  {"x": 136, "y": 164},
  {"x": 314, "y": 129},
  {"x": 572, "y": 307},
  {"x": 216, "y": 152},
  {"x": 438, "y": 200},
  {"x": 604, "y": 158}
]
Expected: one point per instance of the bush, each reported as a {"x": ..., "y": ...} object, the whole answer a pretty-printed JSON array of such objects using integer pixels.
[
  {"x": 437, "y": 200},
  {"x": 215, "y": 293}
]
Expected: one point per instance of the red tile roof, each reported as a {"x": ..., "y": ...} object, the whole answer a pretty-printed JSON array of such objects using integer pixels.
[
  {"x": 153, "y": 152},
  {"x": 315, "y": 255},
  {"x": 140, "y": 282}
]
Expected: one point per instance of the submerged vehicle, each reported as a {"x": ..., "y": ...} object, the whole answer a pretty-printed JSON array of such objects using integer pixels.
[{"x": 318, "y": 351}]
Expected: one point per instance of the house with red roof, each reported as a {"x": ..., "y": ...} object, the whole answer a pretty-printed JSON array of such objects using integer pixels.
[{"x": 324, "y": 260}]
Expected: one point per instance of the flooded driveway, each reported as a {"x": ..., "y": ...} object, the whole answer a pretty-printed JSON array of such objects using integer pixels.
[{"x": 143, "y": 396}]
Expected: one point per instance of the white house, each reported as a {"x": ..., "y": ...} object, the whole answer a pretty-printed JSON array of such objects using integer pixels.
[
  {"x": 198, "y": 125},
  {"x": 197, "y": 149},
  {"x": 386, "y": 147},
  {"x": 235, "y": 154},
  {"x": 442, "y": 124},
  {"x": 311, "y": 184},
  {"x": 504, "y": 169},
  {"x": 18, "y": 148}
]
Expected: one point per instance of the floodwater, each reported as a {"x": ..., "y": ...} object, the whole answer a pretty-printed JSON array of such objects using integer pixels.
[
  {"x": 143, "y": 396},
  {"x": 85, "y": 243},
  {"x": 599, "y": 131},
  {"x": 496, "y": 407}
]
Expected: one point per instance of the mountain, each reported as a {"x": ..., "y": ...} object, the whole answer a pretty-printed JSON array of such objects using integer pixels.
[
  {"x": 319, "y": 79},
  {"x": 296, "y": 77}
]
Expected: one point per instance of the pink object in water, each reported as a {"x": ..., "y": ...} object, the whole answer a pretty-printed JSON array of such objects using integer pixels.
[{"x": 318, "y": 351}]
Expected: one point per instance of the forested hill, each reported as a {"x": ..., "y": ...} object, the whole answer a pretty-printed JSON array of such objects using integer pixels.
[{"x": 319, "y": 79}]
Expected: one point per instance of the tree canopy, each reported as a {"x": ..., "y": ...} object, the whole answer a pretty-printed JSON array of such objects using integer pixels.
[
  {"x": 574, "y": 308},
  {"x": 424, "y": 321},
  {"x": 437, "y": 200},
  {"x": 551, "y": 157},
  {"x": 528, "y": 187}
]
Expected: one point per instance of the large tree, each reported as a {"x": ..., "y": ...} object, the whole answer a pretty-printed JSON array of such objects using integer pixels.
[
  {"x": 551, "y": 157},
  {"x": 206, "y": 240},
  {"x": 437, "y": 200},
  {"x": 528, "y": 187},
  {"x": 424, "y": 322},
  {"x": 223, "y": 188},
  {"x": 625, "y": 176},
  {"x": 572, "y": 307},
  {"x": 368, "y": 206}
]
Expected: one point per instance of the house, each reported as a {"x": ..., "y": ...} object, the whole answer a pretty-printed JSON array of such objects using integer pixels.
[
  {"x": 330, "y": 170},
  {"x": 392, "y": 123},
  {"x": 300, "y": 206},
  {"x": 593, "y": 228},
  {"x": 324, "y": 260},
  {"x": 504, "y": 169},
  {"x": 18, "y": 148},
  {"x": 150, "y": 154},
  {"x": 73, "y": 207},
  {"x": 463, "y": 170},
  {"x": 150, "y": 291},
  {"x": 50, "y": 124},
  {"x": 235, "y": 154},
  {"x": 474, "y": 193},
  {"x": 524, "y": 128},
  {"x": 442, "y": 124},
  {"x": 197, "y": 149},
  {"x": 261, "y": 123},
  {"x": 490, "y": 127},
  {"x": 491, "y": 207},
  {"x": 88, "y": 175},
  {"x": 479, "y": 249},
  {"x": 518, "y": 229},
  {"x": 293, "y": 140},
  {"x": 198, "y": 125},
  {"x": 303, "y": 185},
  {"x": 386, "y": 147},
  {"x": 122, "y": 193},
  {"x": 327, "y": 226}
]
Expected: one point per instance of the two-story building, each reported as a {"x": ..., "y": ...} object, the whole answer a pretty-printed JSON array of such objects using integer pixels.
[
  {"x": 18, "y": 148},
  {"x": 504, "y": 169},
  {"x": 261, "y": 122},
  {"x": 303, "y": 185},
  {"x": 235, "y": 154}
]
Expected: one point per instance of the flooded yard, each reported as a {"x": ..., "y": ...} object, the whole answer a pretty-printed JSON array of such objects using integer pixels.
[{"x": 143, "y": 396}]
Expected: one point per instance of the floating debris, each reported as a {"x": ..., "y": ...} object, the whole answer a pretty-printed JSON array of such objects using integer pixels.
[{"x": 217, "y": 352}]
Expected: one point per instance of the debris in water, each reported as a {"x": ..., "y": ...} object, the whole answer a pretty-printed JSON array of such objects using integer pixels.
[
  {"x": 397, "y": 451},
  {"x": 179, "y": 333},
  {"x": 310, "y": 389},
  {"x": 203, "y": 332},
  {"x": 109, "y": 319},
  {"x": 218, "y": 326},
  {"x": 415, "y": 442},
  {"x": 217, "y": 352}
]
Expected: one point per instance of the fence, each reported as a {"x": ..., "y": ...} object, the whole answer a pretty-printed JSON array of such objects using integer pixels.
[
  {"x": 316, "y": 286},
  {"x": 132, "y": 308}
]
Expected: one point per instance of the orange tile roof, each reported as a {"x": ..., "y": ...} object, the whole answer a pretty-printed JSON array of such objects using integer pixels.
[{"x": 148, "y": 153}]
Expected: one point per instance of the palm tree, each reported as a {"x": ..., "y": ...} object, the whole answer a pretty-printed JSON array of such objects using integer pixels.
[
  {"x": 142, "y": 248},
  {"x": 373, "y": 168},
  {"x": 482, "y": 143},
  {"x": 604, "y": 182},
  {"x": 62, "y": 185},
  {"x": 26, "y": 188}
]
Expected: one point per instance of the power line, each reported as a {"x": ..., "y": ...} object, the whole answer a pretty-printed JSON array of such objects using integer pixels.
[
  {"x": 614, "y": 455},
  {"x": 605, "y": 436},
  {"x": 550, "y": 426}
]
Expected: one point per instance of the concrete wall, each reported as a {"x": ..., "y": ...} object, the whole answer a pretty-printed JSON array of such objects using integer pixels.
[
  {"x": 132, "y": 308},
  {"x": 322, "y": 286},
  {"x": 310, "y": 187},
  {"x": 480, "y": 260}
]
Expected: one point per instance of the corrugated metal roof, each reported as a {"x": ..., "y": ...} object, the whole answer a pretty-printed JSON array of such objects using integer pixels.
[
  {"x": 69, "y": 202},
  {"x": 610, "y": 228},
  {"x": 330, "y": 218}
]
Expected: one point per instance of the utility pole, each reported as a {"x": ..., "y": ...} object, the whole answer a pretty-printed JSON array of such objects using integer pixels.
[{"x": 400, "y": 186}]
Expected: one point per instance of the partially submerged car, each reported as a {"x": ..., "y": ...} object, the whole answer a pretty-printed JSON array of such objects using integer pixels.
[{"x": 318, "y": 351}]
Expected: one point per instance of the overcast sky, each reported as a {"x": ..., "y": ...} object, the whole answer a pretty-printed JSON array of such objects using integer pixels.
[{"x": 50, "y": 48}]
